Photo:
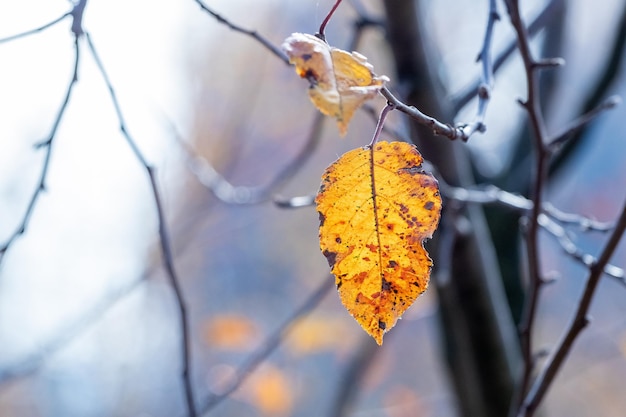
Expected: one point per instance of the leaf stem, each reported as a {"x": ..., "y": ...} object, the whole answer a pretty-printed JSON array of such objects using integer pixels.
[
  {"x": 320, "y": 34},
  {"x": 578, "y": 323},
  {"x": 381, "y": 122}
]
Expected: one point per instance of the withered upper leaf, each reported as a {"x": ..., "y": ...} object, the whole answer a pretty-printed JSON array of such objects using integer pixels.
[
  {"x": 340, "y": 81},
  {"x": 376, "y": 207}
]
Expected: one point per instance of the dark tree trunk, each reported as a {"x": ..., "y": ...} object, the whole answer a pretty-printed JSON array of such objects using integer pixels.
[{"x": 480, "y": 339}]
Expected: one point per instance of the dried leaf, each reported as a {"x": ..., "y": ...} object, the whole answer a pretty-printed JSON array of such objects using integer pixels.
[
  {"x": 340, "y": 81},
  {"x": 376, "y": 207}
]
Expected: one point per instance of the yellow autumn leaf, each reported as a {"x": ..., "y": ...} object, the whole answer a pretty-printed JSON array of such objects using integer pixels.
[
  {"x": 376, "y": 207},
  {"x": 340, "y": 81}
]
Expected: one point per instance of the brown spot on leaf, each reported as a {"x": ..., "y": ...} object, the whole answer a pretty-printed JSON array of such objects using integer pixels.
[
  {"x": 360, "y": 277},
  {"x": 331, "y": 257},
  {"x": 429, "y": 205}
]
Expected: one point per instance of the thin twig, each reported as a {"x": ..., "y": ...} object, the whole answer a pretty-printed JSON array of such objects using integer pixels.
[
  {"x": 606, "y": 79},
  {"x": 320, "y": 33},
  {"x": 270, "y": 344},
  {"x": 371, "y": 111},
  {"x": 232, "y": 194},
  {"x": 486, "y": 84},
  {"x": 228, "y": 193},
  {"x": 584, "y": 223},
  {"x": 254, "y": 34},
  {"x": 570, "y": 248},
  {"x": 294, "y": 202},
  {"x": 76, "y": 14},
  {"x": 461, "y": 132},
  {"x": 533, "y": 108},
  {"x": 381, "y": 122},
  {"x": 489, "y": 195},
  {"x": 492, "y": 195},
  {"x": 39, "y": 29},
  {"x": 578, "y": 323},
  {"x": 466, "y": 94},
  {"x": 163, "y": 235},
  {"x": 555, "y": 143},
  {"x": 437, "y": 127}
]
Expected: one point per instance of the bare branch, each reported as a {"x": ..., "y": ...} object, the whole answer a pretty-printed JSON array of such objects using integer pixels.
[
  {"x": 463, "y": 131},
  {"x": 462, "y": 98},
  {"x": 578, "y": 323},
  {"x": 270, "y": 344},
  {"x": 47, "y": 144},
  {"x": 252, "y": 33},
  {"x": 560, "y": 139},
  {"x": 533, "y": 108},
  {"x": 294, "y": 202},
  {"x": 584, "y": 223},
  {"x": 320, "y": 33},
  {"x": 166, "y": 250},
  {"x": 36, "y": 30},
  {"x": 488, "y": 195},
  {"x": 486, "y": 84},
  {"x": 208, "y": 176},
  {"x": 437, "y": 127},
  {"x": 574, "y": 251}
]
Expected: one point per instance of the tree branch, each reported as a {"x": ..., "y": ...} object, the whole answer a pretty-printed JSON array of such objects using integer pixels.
[
  {"x": 321, "y": 32},
  {"x": 76, "y": 14},
  {"x": 486, "y": 83},
  {"x": 462, "y": 98},
  {"x": 533, "y": 108},
  {"x": 578, "y": 323},
  {"x": 437, "y": 127},
  {"x": 228, "y": 193},
  {"x": 164, "y": 239},
  {"x": 38, "y": 29},
  {"x": 556, "y": 143},
  {"x": 584, "y": 223},
  {"x": 252, "y": 33}
]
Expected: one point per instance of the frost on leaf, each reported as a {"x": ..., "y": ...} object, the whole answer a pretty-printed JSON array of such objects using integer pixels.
[
  {"x": 376, "y": 207},
  {"x": 340, "y": 81}
]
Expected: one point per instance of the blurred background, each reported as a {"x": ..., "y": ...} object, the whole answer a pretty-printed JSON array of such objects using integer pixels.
[{"x": 88, "y": 322}]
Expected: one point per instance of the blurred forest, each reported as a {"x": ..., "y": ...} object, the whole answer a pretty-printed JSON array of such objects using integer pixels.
[{"x": 91, "y": 294}]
